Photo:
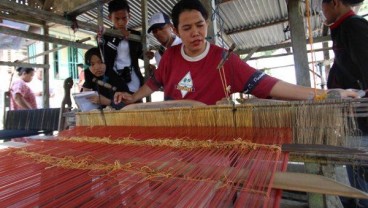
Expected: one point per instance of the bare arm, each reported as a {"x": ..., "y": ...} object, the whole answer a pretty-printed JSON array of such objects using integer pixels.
[
  {"x": 22, "y": 102},
  {"x": 287, "y": 91},
  {"x": 128, "y": 98}
]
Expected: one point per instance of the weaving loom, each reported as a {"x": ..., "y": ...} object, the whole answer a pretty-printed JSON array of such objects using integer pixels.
[{"x": 200, "y": 156}]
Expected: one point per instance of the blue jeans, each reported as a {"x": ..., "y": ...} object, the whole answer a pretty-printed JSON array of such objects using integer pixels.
[{"x": 358, "y": 177}]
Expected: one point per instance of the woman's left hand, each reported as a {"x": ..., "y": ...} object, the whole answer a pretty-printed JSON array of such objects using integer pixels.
[{"x": 99, "y": 100}]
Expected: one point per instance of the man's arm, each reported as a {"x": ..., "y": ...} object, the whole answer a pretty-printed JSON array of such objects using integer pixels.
[
  {"x": 287, "y": 91},
  {"x": 127, "y": 98}
]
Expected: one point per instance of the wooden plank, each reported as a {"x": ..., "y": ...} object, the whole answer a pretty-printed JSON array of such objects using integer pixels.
[
  {"x": 53, "y": 50},
  {"x": 21, "y": 18},
  {"x": 43, "y": 38},
  {"x": 250, "y": 54},
  {"x": 86, "y": 7},
  {"x": 287, "y": 54},
  {"x": 19, "y": 64},
  {"x": 283, "y": 45},
  {"x": 319, "y": 148},
  {"x": 314, "y": 184},
  {"x": 163, "y": 104},
  {"x": 39, "y": 14}
]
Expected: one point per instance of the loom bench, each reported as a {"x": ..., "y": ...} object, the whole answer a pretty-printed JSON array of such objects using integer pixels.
[{"x": 22, "y": 123}]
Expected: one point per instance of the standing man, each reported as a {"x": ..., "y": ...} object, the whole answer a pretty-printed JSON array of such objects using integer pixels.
[
  {"x": 36, "y": 86},
  {"x": 120, "y": 54},
  {"x": 349, "y": 34},
  {"x": 162, "y": 29}
]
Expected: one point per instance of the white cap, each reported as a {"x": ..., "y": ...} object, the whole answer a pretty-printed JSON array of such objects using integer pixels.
[{"x": 158, "y": 19}]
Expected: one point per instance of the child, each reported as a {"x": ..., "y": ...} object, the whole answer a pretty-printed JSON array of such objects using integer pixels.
[{"x": 97, "y": 79}]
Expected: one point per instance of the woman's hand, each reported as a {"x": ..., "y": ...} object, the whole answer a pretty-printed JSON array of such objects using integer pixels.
[{"x": 99, "y": 100}]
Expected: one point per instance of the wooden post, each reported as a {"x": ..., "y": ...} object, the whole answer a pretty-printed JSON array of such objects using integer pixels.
[
  {"x": 315, "y": 200},
  {"x": 212, "y": 29},
  {"x": 296, "y": 21},
  {"x": 144, "y": 36},
  {"x": 326, "y": 54},
  {"x": 46, "y": 72}
]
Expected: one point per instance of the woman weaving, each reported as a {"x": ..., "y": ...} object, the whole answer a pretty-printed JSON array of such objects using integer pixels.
[{"x": 190, "y": 70}]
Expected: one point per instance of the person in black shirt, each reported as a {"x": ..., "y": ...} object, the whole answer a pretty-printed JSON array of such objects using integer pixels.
[
  {"x": 349, "y": 34},
  {"x": 100, "y": 80},
  {"x": 121, "y": 55}
]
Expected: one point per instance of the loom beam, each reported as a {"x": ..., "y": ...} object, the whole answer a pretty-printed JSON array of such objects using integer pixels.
[{"x": 315, "y": 184}]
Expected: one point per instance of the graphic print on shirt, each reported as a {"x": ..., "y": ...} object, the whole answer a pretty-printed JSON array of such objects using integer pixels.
[{"x": 185, "y": 85}]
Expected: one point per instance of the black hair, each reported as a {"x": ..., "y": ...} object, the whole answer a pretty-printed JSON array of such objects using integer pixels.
[
  {"x": 352, "y": 2},
  {"x": 116, "y": 5},
  {"x": 346, "y": 2},
  {"x": 185, "y": 5},
  {"x": 80, "y": 65},
  {"x": 24, "y": 70},
  {"x": 88, "y": 55}
]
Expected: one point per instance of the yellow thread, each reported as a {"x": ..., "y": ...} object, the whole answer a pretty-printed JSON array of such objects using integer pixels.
[
  {"x": 70, "y": 162},
  {"x": 176, "y": 143},
  {"x": 320, "y": 97}
]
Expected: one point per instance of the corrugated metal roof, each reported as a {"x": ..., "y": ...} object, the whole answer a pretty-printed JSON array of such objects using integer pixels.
[
  {"x": 135, "y": 11},
  {"x": 247, "y": 23},
  {"x": 136, "y": 14},
  {"x": 257, "y": 23}
]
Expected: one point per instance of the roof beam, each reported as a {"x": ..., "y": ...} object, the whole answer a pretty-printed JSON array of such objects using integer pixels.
[
  {"x": 52, "y": 50},
  {"x": 19, "y": 64},
  {"x": 250, "y": 54},
  {"x": 86, "y": 7},
  {"x": 255, "y": 27},
  {"x": 283, "y": 45},
  {"x": 21, "y": 18},
  {"x": 323, "y": 62},
  {"x": 43, "y": 38},
  {"x": 42, "y": 15},
  {"x": 288, "y": 53}
]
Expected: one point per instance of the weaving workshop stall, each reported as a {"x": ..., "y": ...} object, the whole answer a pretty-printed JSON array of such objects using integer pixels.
[{"x": 200, "y": 156}]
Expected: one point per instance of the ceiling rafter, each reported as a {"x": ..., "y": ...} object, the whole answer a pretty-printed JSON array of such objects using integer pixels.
[
  {"x": 86, "y": 7},
  {"x": 34, "y": 36},
  {"x": 283, "y": 45},
  {"x": 52, "y": 17}
]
